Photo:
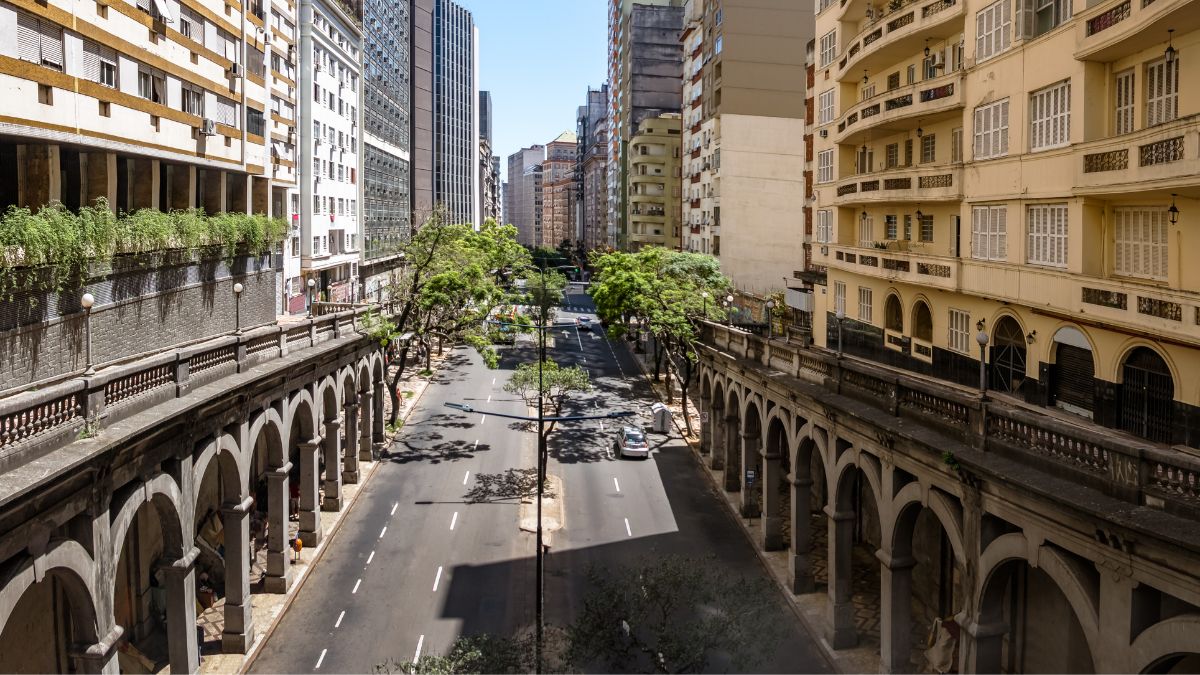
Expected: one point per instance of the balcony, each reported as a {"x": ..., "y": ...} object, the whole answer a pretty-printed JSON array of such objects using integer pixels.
[
  {"x": 1137, "y": 306},
  {"x": 1118, "y": 28},
  {"x": 914, "y": 266},
  {"x": 1163, "y": 156},
  {"x": 899, "y": 34},
  {"x": 897, "y": 110},
  {"x": 910, "y": 184}
]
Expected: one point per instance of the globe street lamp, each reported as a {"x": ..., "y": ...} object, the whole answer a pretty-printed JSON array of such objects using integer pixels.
[
  {"x": 770, "y": 326},
  {"x": 729, "y": 308},
  {"x": 311, "y": 284},
  {"x": 840, "y": 316},
  {"x": 982, "y": 338},
  {"x": 704, "y": 294},
  {"x": 237, "y": 295},
  {"x": 86, "y": 302}
]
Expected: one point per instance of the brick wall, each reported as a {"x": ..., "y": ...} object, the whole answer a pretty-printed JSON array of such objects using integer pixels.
[{"x": 137, "y": 325}]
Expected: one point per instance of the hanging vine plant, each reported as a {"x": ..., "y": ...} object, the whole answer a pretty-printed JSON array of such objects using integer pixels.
[{"x": 53, "y": 248}]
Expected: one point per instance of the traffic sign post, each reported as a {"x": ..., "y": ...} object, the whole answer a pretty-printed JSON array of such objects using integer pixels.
[{"x": 750, "y": 484}]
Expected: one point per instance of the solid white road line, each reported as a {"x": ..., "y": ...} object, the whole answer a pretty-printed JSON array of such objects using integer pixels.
[
  {"x": 454, "y": 520},
  {"x": 370, "y": 557},
  {"x": 579, "y": 339},
  {"x": 394, "y": 509},
  {"x": 341, "y": 616},
  {"x": 356, "y": 583},
  {"x": 383, "y": 532},
  {"x": 320, "y": 659},
  {"x": 628, "y": 531},
  {"x": 618, "y": 486},
  {"x": 420, "y": 642},
  {"x": 468, "y": 474},
  {"x": 438, "y": 579}
]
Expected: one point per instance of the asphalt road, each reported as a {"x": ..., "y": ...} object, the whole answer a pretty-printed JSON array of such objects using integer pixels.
[{"x": 448, "y": 565}]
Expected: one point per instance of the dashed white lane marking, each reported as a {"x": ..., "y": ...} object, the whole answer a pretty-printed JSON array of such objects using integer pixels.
[
  {"x": 601, "y": 425},
  {"x": 420, "y": 643},
  {"x": 482, "y": 419},
  {"x": 493, "y": 381},
  {"x": 338, "y": 623},
  {"x": 356, "y": 584},
  {"x": 489, "y": 398},
  {"x": 320, "y": 659},
  {"x": 628, "y": 531},
  {"x": 383, "y": 532},
  {"x": 468, "y": 474},
  {"x": 475, "y": 447},
  {"x": 454, "y": 520},
  {"x": 394, "y": 509},
  {"x": 370, "y": 557},
  {"x": 618, "y": 486},
  {"x": 438, "y": 579}
]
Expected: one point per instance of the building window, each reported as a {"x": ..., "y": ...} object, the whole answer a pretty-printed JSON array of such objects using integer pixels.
[
  {"x": 956, "y": 136},
  {"x": 892, "y": 155},
  {"x": 1162, "y": 91},
  {"x": 991, "y": 130},
  {"x": 989, "y": 233},
  {"x": 828, "y": 48},
  {"x": 911, "y": 76},
  {"x": 193, "y": 100},
  {"x": 889, "y": 226},
  {"x": 866, "y": 231},
  {"x": 100, "y": 64},
  {"x": 255, "y": 123},
  {"x": 925, "y": 222},
  {"x": 824, "y": 226},
  {"x": 893, "y": 81},
  {"x": 864, "y": 304},
  {"x": 1141, "y": 249},
  {"x": 226, "y": 112},
  {"x": 868, "y": 91},
  {"x": 825, "y": 166},
  {"x": 39, "y": 41},
  {"x": 316, "y": 245},
  {"x": 1041, "y": 16},
  {"x": 1047, "y": 228},
  {"x": 191, "y": 24},
  {"x": 1050, "y": 117},
  {"x": 993, "y": 30},
  {"x": 823, "y": 5},
  {"x": 1123, "y": 95},
  {"x": 825, "y": 107},
  {"x": 928, "y": 148},
  {"x": 152, "y": 85},
  {"x": 960, "y": 331},
  {"x": 839, "y": 297}
]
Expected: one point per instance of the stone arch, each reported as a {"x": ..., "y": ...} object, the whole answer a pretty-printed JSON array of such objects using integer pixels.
[
  {"x": 1047, "y": 351},
  {"x": 302, "y": 415},
  {"x": 347, "y": 384},
  {"x": 907, "y": 504},
  {"x": 267, "y": 426},
  {"x": 921, "y": 319},
  {"x": 378, "y": 370},
  {"x": 997, "y": 561},
  {"x": 893, "y": 312},
  {"x": 328, "y": 397},
  {"x": 733, "y": 438},
  {"x": 1126, "y": 350},
  {"x": 231, "y": 465},
  {"x": 854, "y": 513},
  {"x": 1165, "y": 640},
  {"x": 163, "y": 493},
  {"x": 845, "y": 464}
]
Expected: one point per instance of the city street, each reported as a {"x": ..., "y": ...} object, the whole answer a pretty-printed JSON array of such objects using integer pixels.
[{"x": 415, "y": 564}]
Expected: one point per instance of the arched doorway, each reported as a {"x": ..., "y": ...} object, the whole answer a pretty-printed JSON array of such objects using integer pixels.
[
  {"x": 46, "y": 623},
  {"x": 1008, "y": 355},
  {"x": 1147, "y": 395},
  {"x": 922, "y": 322},
  {"x": 752, "y": 460},
  {"x": 1072, "y": 378},
  {"x": 807, "y": 534},
  {"x": 893, "y": 314}
]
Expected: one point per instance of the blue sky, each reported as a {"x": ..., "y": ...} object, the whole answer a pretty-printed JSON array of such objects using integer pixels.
[{"x": 537, "y": 57}]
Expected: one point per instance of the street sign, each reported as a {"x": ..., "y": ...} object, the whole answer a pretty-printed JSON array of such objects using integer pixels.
[{"x": 749, "y": 477}]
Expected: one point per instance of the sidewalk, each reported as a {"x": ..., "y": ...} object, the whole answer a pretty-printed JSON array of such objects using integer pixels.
[
  {"x": 269, "y": 607},
  {"x": 811, "y": 608}
]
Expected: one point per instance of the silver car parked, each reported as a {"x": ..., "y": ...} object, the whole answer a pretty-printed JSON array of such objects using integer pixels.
[{"x": 631, "y": 442}]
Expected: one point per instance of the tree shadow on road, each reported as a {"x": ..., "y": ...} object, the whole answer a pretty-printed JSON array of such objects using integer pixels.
[
  {"x": 510, "y": 485},
  {"x": 447, "y": 451},
  {"x": 442, "y": 420}
]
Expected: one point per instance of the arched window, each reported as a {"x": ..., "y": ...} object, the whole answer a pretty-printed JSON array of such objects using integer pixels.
[
  {"x": 1008, "y": 355},
  {"x": 1147, "y": 395},
  {"x": 893, "y": 314},
  {"x": 922, "y": 322}
]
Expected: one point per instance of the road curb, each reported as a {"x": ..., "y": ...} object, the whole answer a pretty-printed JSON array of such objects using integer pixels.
[
  {"x": 253, "y": 654},
  {"x": 813, "y": 631}
]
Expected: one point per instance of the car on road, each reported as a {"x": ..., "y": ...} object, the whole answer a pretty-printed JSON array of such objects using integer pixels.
[
  {"x": 631, "y": 442},
  {"x": 584, "y": 323}
]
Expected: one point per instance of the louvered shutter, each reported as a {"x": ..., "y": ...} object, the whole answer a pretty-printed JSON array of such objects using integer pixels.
[
  {"x": 29, "y": 40},
  {"x": 1000, "y": 249},
  {"x": 52, "y": 44},
  {"x": 1123, "y": 122},
  {"x": 1074, "y": 373},
  {"x": 978, "y": 226},
  {"x": 1002, "y": 129},
  {"x": 91, "y": 61}
]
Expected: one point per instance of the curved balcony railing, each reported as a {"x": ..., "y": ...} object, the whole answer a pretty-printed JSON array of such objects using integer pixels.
[
  {"x": 927, "y": 100},
  {"x": 931, "y": 183},
  {"x": 898, "y": 33},
  {"x": 1115, "y": 29}
]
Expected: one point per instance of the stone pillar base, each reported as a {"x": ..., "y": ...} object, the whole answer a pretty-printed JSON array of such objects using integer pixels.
[
  {"x": 364, "y": 453},
  {"x": 843, "y": 634},
  {"x": 349, "y": 478},
  {"x": 239, "y": 629},
  {"x": 278, "y": 585},
  {"x": 772, "y": 533},
  {"x": 334, "y": 503}
]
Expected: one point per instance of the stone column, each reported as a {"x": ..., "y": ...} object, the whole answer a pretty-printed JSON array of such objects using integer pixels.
[
  {"x": 968, "y": 616},
  {"x": 279, "y": 573},
  {"x": 239, "y": 616},
  {"x": 716, "y": 461},
  {"x": 366, "y": 408},
  {"x": 350, "y": 468},
  {"x": 842, "y": 631},
  {"x": 39, "y": 178},
  {"x": 181, "y": 613},
  {"x": 333, "y": 466},
  {"x": 378, "y": 439},
  {"x": 705, "y": 427},
  {"x": 799, "y": 565},
  {"x": 772, "y": 521},
  {"x": 751, "y": 461},
  {"x": 100, "y": 657},
  {"x": 310, "y": 484},
  {"x": 101, "y": 178},
  {"x": 733, "y": 482},
  {"x": 895, "y": 612},
  {"x": 1117, "y": 615}
]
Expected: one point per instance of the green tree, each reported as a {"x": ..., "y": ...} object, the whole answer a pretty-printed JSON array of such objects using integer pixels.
[
  {"x": 558, "y": 385},
  {"x": 662, "y": 292}
]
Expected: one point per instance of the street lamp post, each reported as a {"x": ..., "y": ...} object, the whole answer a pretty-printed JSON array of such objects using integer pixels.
[
  {"x": 729, "y": 309},
  {"x": 840, "y": 316},
  {"x": 237, "y": 297},
  {"x": 770, "y": 311},
  {"x": 982, "y": 338},
  {"x": 311, "y": 284},
  {"x": 704, "y": 294},
  {"x": 86, "y": 302}
]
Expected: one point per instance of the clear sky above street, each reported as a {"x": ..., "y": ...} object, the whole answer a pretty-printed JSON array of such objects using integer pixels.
[{"x": 537, "y": 57}]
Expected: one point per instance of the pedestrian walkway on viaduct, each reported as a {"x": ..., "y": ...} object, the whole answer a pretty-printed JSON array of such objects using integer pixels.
[
  {"x": 192, "y": 470},
  {"x": 896, "y": 501}
]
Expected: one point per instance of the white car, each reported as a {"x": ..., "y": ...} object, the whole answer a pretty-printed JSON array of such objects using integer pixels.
[
  {"x": 584, "y": 323},
  {"x": 631, "y": 442}
]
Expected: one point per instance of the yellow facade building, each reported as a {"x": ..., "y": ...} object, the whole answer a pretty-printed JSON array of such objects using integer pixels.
[
  {"x": 1023, "y": 174},
  {"x": 654, "y": 183}
]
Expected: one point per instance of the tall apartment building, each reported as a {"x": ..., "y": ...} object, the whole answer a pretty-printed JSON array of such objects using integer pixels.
[
  {"x": 558, "y": 191},
  {"x": 743, "y": 136},
  {"x": 591, "y": 170},
  {"x": 148, "y": 105},
  {"x": 489, "y": 164},
  {"x": 455, "y": 112},
  {"x": 645, "y": 65},
  {"x": 655, "y": 212},
  {"x": 523, "y": 196},
  {"x": 422, "y": 110},
  {"x": 326, "y": 246}
]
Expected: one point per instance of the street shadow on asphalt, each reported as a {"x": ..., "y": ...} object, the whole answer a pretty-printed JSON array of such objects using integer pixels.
[
  {"x": 451, "y": 421},
  {"x": 444, "y": 451},
  {"x": 511, "y": 485}
]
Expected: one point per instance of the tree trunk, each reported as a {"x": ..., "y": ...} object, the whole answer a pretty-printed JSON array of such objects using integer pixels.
[
  {"x": 666, "y": 353},
  {"x": 657, "y": 360},
  {"x": 394, "y": 390},
  {"x": 687, "y": 382},
  {"x": 428, "y": 352}
]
